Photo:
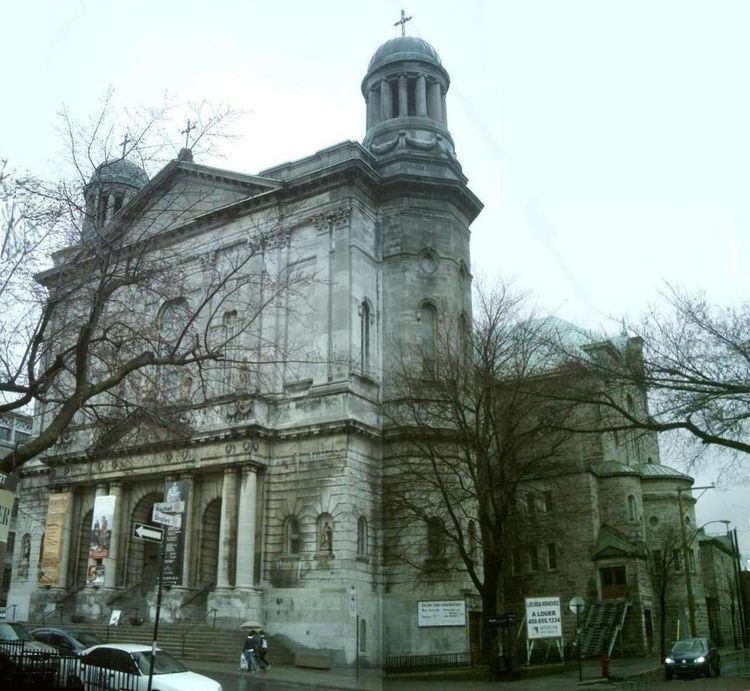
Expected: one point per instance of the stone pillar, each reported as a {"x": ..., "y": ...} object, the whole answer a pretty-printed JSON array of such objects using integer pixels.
[
  {"x": 403, "y": 98},
  {"x": 385, "y": 100},
  {"x": 421, "y": 96},
  {"x": 443, "y": 109},
  {"x": 111, "y": 564},
  {"x": 67, "y": 542},
  {"x": 373, "y": 107},
  {"x": 436, "y": 105},
  {"x": 228, "y": 527},
  {"x": 187, "y": 531},
  {"x": 246, "y": 528}
]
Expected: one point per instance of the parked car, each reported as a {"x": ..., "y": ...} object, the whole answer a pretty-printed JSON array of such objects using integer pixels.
[
  {"x": 127, "y": 665},
  {"x": 66, "y": 642},
  {"x": 692, "y": 656},
  {"x": 20, "y": 651}
]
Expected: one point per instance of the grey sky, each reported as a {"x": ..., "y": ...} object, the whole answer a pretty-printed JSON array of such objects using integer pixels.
[{"x": 608, "y": 139}]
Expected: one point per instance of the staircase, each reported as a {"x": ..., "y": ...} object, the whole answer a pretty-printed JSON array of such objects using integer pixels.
[
  {"x": 600, "y": 631},
  {"x": 198, "y": 641}
]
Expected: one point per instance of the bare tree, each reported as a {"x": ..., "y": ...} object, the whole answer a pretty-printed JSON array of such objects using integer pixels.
[
  {"x": 665, "y": 566},
  {"x": 109, "y": 314},
  {"x": 693, "y": 359},
  {"x": 473, "y": 430}
]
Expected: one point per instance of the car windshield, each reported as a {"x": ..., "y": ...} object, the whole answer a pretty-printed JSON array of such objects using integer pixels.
[
  {"x": 14, "y": 632},
  {"x": 693, "y": 645},
  {"x": 165, "y": 663}
]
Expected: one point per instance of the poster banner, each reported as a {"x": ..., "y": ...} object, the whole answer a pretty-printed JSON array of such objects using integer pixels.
[
  {"x": 177, "y": 493},
  {"x": 441, "y": 613},
  {"x": 6, "y": 510},
  {"x": 60, "y": 504},
  {"x": 101, "y": 534}
]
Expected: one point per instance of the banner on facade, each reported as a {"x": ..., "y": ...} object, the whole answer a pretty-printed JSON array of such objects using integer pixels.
[
  {"x": 58, "y": 508},
  {"x": 543, "y": 618},
  {"x": 101, "y": 535},
  {"x": 441, "y": 613},
  {"x": 6, "y": 510},
  {"x": 177, "y": 494}
]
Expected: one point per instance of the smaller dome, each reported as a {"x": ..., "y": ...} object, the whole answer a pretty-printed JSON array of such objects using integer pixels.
[
  {"x": 121, "y": 171},
  {"x": 404, "y": 48}
]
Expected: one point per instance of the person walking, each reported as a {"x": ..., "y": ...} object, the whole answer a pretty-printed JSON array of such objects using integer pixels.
[
  {"x": 250, "y": 651},
  {"x": 262, "y": 647}
]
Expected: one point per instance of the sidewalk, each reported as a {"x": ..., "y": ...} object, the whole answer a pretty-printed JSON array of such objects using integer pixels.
[{"x": 372, "y": 680}]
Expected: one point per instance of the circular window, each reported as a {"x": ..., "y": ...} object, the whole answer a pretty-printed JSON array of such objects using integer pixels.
[
  {"x": 653, "y": 521},
  {"x": 427, "y": 263}
]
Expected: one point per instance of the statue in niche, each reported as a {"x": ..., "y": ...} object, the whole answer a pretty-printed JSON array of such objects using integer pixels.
[{"x": 326, "y": 537}]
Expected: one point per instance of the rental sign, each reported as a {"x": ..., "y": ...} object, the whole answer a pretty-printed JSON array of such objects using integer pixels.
[{"x": 543, "y": 617}]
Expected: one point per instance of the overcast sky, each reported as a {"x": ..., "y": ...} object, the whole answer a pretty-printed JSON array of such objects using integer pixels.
[{"x": 609, "y": 141}]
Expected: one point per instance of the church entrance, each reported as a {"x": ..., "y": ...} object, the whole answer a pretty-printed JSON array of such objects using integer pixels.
[
  {"x": 143, "y": 557},
  {"x": 209, "y": 544}
]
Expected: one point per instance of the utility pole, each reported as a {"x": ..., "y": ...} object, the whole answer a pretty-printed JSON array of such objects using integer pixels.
[{"x": 686, "y": 559}]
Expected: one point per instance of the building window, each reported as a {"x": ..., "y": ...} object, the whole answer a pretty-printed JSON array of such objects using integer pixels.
[
  {"x": 551, "y": 557},
  {"x": 533, "y": 559},
  {"x": 364, "y": 328},
  {"x": 362, "y": 536},
  {"x": 291, "y": 535},
  {"x": 435, "y": 538},
  {"x": 613, "y": 581},
  {"x": 653, "y": 521},
  {"x": 548, "y": 501},
  {"x": 631, "y": 507},
  {"x": 11, "y": 543},
  {"x": 676, "y": 560},
  {"x": 656, "y": 555},
  {"x": 428, "y": 323},
  {"x": 691, "y": 560},
  {"x": 362, "y": 635},
  {"x": 530, "y": 504}
]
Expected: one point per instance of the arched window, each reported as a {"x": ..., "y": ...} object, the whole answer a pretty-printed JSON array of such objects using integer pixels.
[
  {"x": 325, "y": 533},
  {"x": 364, "y": 338},
  {"x": 362, "y": 536},
  {"x": 435, "y": 537},
  {"x": 630, "y": 405},
  {"x": 230, "y": 348},
  {"x": 362, "y": 636},
  {"x": 172, "y": 319},
  {"x": 631, "y": 507},
  {"x": 291, "y": 535},
  {"x": 427, "y": 326}
]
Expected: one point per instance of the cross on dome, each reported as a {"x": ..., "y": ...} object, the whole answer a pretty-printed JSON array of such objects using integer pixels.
[{"x": 402, "y": 22}]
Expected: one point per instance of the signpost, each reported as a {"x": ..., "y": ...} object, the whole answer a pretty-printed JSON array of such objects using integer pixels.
[{"x": 543, "y": 620}]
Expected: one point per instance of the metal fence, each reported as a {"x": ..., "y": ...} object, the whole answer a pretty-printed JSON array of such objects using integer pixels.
[
  {"x": 426, "y": 663},
  {"x": 22, "y": 667}
]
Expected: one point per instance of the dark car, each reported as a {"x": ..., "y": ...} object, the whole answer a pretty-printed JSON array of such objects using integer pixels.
[
  {"x": 691, "y": 657},
  {"x": 67, "y": 642},
  {"x": 19, "y": 651}
]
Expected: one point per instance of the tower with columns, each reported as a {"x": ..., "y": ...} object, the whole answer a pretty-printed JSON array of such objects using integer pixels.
[{"x": 281, "y": 483}]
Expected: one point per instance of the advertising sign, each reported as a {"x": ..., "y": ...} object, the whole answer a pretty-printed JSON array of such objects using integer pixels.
[
  {"x": 543, "y": 618},
  {"x": 6, "y": 508},
  {"x": 441, "y": 613},
  {"x": 176, "y": 494},
  {"x": 101, "y": 534},
  {"x": 57, "y": 511}
]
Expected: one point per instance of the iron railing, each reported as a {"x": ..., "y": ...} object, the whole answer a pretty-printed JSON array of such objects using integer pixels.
[{"x": 426, "y": 663}]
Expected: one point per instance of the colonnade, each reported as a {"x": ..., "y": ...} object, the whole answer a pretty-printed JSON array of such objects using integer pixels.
[{"x": 389, "y": 98}]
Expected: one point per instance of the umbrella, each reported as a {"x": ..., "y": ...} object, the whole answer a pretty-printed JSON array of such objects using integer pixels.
[{"x": 250, "y": 624}]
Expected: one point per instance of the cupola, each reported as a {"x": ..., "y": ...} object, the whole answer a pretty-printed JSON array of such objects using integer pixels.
[{"x": 404, "y": 89}]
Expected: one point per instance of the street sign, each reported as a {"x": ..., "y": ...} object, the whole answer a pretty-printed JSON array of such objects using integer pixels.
[
  {"x": 170, "y": 506},
  {"x": 577, "y": 605},
  {"x": 147, "y": 532},
  {"x": 173, "y": 520},
  {"x": 503, "y": 620}
]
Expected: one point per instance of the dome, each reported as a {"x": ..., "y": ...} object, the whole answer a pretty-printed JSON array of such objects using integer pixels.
[
  {"x": 121, "y": 171},
  {"x": 404, "y": 48}
]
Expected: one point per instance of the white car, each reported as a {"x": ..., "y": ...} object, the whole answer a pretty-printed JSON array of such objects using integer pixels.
[{"x": 127, "y": 665}]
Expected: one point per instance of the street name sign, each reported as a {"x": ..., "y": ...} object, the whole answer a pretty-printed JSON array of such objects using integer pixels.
[
  {"x": 147, "y": 532},
  {"x": 170, "y": 506},
  {"x": 173, "y": 520}
]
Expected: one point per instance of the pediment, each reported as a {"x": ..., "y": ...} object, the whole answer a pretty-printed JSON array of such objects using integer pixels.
[{"x": 612, "y": 543}]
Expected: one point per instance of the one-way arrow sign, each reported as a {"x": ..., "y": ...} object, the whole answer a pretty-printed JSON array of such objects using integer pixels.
[{"x": 147, "y": 532}]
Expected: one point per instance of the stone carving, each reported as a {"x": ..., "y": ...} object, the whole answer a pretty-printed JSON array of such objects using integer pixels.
[
  {"x": 402, "y": 140},
  {"x": 339, "y": 216},
  {"x": 240, "y": 410}
]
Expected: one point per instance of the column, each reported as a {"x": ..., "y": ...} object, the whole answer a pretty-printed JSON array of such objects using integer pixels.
[
  {"x": 187, "y": 531},
  {"x": 403, "y": 98},
  {"x": 436, "y": 104},
  {"x": 421, "y": 96},
  {"x": 385, "y": 100},
  {"x": 246, "y": 528},
  {"x": 443, "y": 110},
  {"x": 111, "y": 563},
  {"x": 67, "y": 542},
  {"x": 228, "y": 527}
]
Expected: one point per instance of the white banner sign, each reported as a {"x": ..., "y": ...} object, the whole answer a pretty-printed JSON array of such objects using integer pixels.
[
  {"x": 543, "y": 618},
  {"x": 6, "y": 508},
  {"x": 441, "y": 613},
  {"x": 171, "y": 519}
]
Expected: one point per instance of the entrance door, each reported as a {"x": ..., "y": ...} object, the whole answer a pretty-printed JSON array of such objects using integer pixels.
[{"x": 613, "y": 581}]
